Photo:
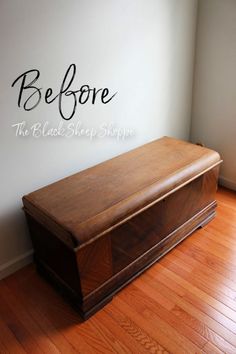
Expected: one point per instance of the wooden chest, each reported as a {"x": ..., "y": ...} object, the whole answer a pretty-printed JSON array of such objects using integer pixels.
[{"x": 95, "y": 231}]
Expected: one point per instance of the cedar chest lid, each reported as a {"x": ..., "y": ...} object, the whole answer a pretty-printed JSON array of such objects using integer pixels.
[{"x": 89, "y": 203}]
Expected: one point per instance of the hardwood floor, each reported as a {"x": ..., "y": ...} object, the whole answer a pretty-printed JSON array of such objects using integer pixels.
[{"x": 185, "y": 303}]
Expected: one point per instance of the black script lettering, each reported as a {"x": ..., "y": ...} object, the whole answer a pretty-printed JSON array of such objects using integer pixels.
[
  {"x": 105, "y": 93},
  {"x": 81, "y": 95},
  {"x": 95, "y": 92},
  {"x": 36, "y": 90},
  {"x": 48, "y": 93},
  {"x": 83, "y": 90},
  {"x": 68, "y": 93}
]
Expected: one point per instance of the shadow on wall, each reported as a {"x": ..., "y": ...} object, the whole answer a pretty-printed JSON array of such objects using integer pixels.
[{"x": 12, "y": 244}]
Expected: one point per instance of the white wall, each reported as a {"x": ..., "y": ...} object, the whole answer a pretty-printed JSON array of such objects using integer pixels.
[
  {"x": 141, "y": 49},
  {"x": 214, "y": 99}
]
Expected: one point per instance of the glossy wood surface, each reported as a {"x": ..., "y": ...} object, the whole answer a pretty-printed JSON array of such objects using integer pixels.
[
  {"x": 91, "y": 202},
  {"x": 185, "y": 303}
]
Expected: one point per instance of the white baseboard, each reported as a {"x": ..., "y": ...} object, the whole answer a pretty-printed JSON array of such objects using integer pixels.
[
  {"x": 225, "y": 182},
  {"x": 17, "y": 263}
]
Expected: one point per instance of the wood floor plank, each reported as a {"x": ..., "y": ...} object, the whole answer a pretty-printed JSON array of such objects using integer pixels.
[
  {"x": 132, "y": 342},
  {"x": 46, "y": 327},
  {"x": 201, "y": 269},
  {"x": 211, "y": 261},
  {"x": 63, "y": 318},
  {"x": 18, "y": 328},
  {"x": 225, "y": 241},
  {"x": 3, "y": 349},
  {"x": 8, "y": 339},
  {"x": 188, "y": 314},
  {"x": 212, "y": 349},
  {"x": 201, "y": 278},
  {"x": 223, "y": 229},
  {"x": 173, "y": 335},
  {"x": 212, "y": 247},
  {"x": 224, "y": 223},
  {"x": 34, "y": 327},
  {"x": 149, "y": 307},
  {"x": 142, "y": 330},
  {"x": 145, "y": 343},
  {"x": 226, "y": 195},
  {"x": 227, "y": 212},
  {"x": 199, "y": 302},
  {"x": 168, "y": 288},
  {"x": 216, "y": 304},
  {"x": 206, "y": 286},
  {"x": 106, "y": 334}
]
